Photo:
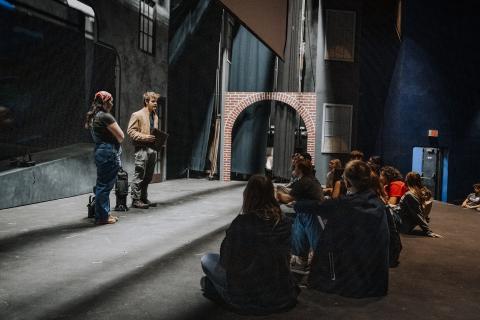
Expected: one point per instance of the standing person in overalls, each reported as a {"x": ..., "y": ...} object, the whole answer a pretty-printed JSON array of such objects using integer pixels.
[
  {"x": 107, "y": 136},
  {"x": 139, "y": 129}
]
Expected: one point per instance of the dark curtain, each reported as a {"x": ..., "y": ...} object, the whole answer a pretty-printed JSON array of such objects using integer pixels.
[
  {"x": 285, "y": 118},
  {"x": 251, "y": 70},
  {"x": 193, "y": 59},
  {"x": 284, "y": 139}
]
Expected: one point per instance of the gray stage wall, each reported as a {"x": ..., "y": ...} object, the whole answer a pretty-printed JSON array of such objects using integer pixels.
[{"x": 59, "y": 173}]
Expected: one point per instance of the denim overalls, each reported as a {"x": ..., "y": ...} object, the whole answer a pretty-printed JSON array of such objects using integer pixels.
[{"x": 107, "y": 160}]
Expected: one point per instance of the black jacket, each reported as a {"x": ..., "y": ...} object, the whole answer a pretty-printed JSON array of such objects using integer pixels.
[
  {"x": 255, "y": 255},
  {"x": 352, "y": 256},
  {"x": 411, "y": 212}
]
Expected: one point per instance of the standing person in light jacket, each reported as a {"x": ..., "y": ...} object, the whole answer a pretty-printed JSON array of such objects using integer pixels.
[
  {"x": 352, "y": 257},
  {"x": 107, "y": 136},
  {"x": 252, "y": 274},
  {"x": 140, "y": 130}
]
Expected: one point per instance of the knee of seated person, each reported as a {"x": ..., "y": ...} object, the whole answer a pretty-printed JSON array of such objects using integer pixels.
[
  {"x": 205, "y": 258},
  {"x": 208, "y": 257}
]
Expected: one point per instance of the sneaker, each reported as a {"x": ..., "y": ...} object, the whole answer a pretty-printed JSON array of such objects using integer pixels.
[
  {"x": 150, "y": 204},
  {"x": 139, "y": 204},
  {"x": 299, "y": 265}
]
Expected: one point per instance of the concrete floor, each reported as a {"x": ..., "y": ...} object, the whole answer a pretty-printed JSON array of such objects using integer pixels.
[{"x": 55, "y": 265}]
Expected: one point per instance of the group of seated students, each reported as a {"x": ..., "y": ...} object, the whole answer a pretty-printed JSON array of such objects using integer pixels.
[{"x": 340, "y": 236}]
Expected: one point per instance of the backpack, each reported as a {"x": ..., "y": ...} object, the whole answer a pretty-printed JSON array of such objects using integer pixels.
[
  {"x": 395, "y": 242},
  {"x": 91, "y": 206}
]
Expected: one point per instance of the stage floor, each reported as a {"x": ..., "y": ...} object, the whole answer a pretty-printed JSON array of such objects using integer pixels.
[{"x": 54, "y": 264}]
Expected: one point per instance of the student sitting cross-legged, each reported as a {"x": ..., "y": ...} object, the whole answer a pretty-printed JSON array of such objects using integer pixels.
[
  {"x": 252, "y": 275},
  {"x": 352, "y": 258}
]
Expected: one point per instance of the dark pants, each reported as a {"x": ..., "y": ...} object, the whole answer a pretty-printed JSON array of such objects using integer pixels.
[
  {"x": 145, "y": 159},
  {"x": 306, "y": 232},
  {"x": 216, "y": 282},
  {"x": 410, "y": 220},
  {"x": 107, "y": 160}
]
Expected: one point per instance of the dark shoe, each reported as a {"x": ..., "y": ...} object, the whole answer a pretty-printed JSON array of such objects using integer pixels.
[
  {"x": 150, "y": 204},
  {"x": 139, "y": 204},
  {"x": 299, "y": 265}
]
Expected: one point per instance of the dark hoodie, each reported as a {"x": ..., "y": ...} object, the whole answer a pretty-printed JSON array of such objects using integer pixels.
[
  {"x": 352, "y": 256},
  {"x": 255, "y": 255}
]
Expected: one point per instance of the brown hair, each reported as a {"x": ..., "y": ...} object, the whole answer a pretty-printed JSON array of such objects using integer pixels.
[
  {"x": 391, "y": 174},
  {"x": 305, "y": 167},
  {"x": 413, "y": 180},
  {"x": 148, "y": 95},
  {"x": 356, "y": 155},
  {"x": 378, "y": 188},
  {"x": 336, "y": 163},
  {"x": 98, "y": 105},
  {"x": 259, "y": 199},
  {"x": 359, "y": 174}
]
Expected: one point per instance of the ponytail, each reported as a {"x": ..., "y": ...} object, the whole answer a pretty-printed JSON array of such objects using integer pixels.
[{"x": 97, "y": 105}]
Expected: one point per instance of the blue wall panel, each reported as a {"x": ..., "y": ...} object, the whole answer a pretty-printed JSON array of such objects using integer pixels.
[{"x": 435, "y": 85}]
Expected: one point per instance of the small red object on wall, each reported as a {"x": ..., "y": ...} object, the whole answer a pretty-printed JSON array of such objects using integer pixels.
[{"x": 433, "y": 133}]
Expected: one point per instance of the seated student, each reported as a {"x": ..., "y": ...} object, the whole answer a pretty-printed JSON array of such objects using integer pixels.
[
  {"x": 308, "y": 158},
  {"x": 306, "y": 227},
  {"x": 352, "y": 255},
  {"x": 295, "y": 158},
  {"x": 375, "y": 163},
  {"x": 473, "y": 199},
  {"x": 251, "y": 275},
  {"x": 332, "y": 165},
  {"x": 356, "y": 155},
  {"x": 339, "y": 186},
  {"x": 392, "y": 180},
  {"x": 411, "y": 208}
]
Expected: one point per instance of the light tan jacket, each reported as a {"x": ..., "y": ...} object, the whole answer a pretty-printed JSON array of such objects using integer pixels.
[{"x": 139, "y": 125}]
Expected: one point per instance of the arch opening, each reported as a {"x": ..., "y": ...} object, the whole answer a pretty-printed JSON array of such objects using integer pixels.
[
  {"x": 264, "y": 136},
  {"x": 236, "y": 102}
]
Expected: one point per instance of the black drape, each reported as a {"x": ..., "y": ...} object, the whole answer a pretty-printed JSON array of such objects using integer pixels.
[{"x": 251, "y": 70}]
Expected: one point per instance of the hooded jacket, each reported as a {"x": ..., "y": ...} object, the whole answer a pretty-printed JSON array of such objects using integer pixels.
[
  {"x": 255, "y": 255},
  {"x": 352, "y": 258}
]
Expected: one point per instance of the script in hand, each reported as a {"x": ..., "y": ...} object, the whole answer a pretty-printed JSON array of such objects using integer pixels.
[{"x": 160, "y": 139}]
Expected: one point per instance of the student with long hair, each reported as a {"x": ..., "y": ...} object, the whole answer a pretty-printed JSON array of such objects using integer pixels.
[
  {"x": 412, "y": 206},
  {"x": 333, "y": 165},
  {"x": 107, "y": 136},
  {"x": 352, "y": 255},
  {"x": 251, "y": 274},
  {"x": 339, "y": 187},
  {"x": 392, "y": 181}
]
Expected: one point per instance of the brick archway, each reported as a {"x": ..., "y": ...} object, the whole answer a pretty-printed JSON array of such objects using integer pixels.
[{"x": 305, "y": 103}]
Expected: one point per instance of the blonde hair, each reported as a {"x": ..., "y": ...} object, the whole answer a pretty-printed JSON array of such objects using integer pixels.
[{"x": 149, "y": 95}]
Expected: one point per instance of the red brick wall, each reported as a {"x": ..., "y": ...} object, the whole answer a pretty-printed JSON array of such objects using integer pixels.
[{"x": 235, "y": 102}]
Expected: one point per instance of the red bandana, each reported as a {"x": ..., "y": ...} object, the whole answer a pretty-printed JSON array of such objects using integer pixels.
[{"x": 104, "y": 95}]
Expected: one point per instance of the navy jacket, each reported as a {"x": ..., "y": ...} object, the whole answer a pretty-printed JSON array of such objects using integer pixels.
[
  {"x": 255, "y": 255},
  {"x": 352, "y": 258}
]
